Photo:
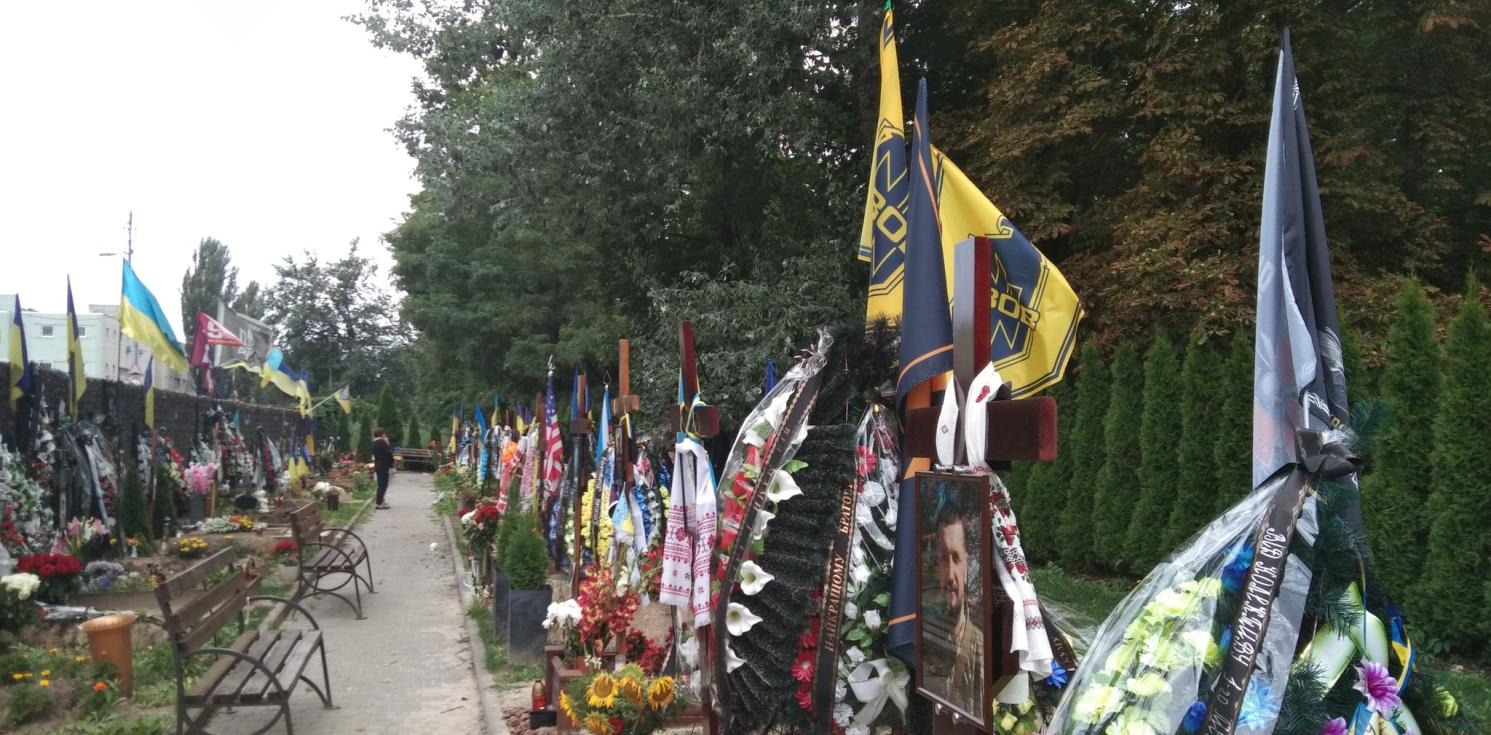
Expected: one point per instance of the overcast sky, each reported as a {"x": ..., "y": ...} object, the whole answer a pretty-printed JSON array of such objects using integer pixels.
[{"x": 263, "y": 124}]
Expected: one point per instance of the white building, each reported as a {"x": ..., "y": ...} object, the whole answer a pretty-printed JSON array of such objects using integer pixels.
[{"x": 104, "y": 357}]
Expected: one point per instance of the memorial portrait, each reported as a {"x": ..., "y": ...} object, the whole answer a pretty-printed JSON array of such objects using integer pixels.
[{"x": 952, "y": 585}]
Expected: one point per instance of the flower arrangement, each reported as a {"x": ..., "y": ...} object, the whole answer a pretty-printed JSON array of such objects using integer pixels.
[
  {"x": 16, "y": 607},
  {"x": 81, "y": 533},
  {"x": 200, "y": 476},
  {"x": 242, "y": 522},
  {"x": 624, "y": 703},
  {"x": 191, "y": 547},
  {"x": 219, "y": 524},
  {"x": 479, "y": 526},
  {"x": 604, "y": 612},
  {"x": 287, "y": 551},
  {"x": 99, "y": 576},
  {"x": 25, "y": 516},
  {"x": 58, "y": 574}
]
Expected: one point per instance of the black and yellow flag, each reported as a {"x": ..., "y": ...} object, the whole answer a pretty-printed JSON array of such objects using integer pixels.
[{"x": 77, "y": 374}]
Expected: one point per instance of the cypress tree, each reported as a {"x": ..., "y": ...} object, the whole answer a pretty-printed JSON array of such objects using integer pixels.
[
  {"x": 1459, "y": 554},
  {"x": 411, "y": 437},
  {"x": 1395, "y": 494},
  {"x": 1195, "y": 487},
  {"x": 1045, "y": 499},
  {"x": 344, "y": 432},
  {"x": 165, "y": 504},
  {"x": 1118, "y": 480},
  {"x": 1159, "y": 433},
  {"x": 388, "y": 416},
  {"x": 1232, "y": 454},
  {"x": 134, "y": 520},
  {"x": 1086, "y": 451},
  {"x": 365, "y": 440}
]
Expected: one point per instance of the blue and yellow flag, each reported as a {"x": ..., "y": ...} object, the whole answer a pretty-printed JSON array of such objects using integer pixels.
[
  {"x": 21, "y": 380},
  {"x": 344, "y": 398},
  {"x": 77, "y": 375},
  {"x": 150, "y": 394},
  {"x": 142, "y": 319},
  {"x": 882, "y": 235}
]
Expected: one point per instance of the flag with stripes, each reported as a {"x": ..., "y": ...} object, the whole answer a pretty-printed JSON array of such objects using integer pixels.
[{"x": 553, "y": 443}]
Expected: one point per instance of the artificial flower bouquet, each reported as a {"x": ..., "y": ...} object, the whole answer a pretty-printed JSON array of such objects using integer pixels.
[
  {"x": 604, "y": 613},
  {"x": 200, "y": 476},
  {"x": 1279, "y": 602},
  {"x": 191, "y": 547},
  {"x": 25, "y": 515},
  {"x": 58, "y": 574},
  {"x": 624, "y": 703}
]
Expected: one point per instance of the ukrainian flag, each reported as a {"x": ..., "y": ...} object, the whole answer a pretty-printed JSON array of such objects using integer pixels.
[
  {"x": 142, "y": 319},
  {"x": 344, "y": 398},
  {"x": 21, "y": 380},
  {"x": 76, "y": 373}
]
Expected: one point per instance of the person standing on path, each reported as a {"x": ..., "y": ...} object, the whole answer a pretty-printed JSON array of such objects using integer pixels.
[{"x": 382, "y": 463}]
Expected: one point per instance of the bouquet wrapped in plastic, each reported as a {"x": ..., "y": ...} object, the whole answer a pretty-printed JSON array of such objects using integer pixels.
[{"x": 1259, "y": 625}]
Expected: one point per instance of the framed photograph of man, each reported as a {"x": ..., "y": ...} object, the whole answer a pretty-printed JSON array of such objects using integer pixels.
[{"x": 953, "y": 579}]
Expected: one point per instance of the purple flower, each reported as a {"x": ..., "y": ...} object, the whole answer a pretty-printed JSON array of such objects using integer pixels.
[
  {"x": 1334, "y": 727},
  {"x": 1378, "y": 687},
  {"x": 1196, "y": 717}
]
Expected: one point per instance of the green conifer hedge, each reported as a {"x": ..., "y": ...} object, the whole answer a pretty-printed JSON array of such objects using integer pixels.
[
  {"x": 1118, "y": 480},
  {"x": 1085, "y": 454},
  {"x": 1196, "y": 477},
  {"x": 1159, "y": 435}
]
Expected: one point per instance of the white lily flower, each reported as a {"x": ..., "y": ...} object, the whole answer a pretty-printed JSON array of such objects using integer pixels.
[
  {"x": 753, "y": 577},
  {"x": 763, "y": 517},
  {"x": 783, "y": 487},
  {"x": 739, "y": 619},
  {"x": 732, "y": 661}
]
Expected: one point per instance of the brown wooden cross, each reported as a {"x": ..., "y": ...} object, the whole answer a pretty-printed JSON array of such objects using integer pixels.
[
  {"x": 579, "y": 430},
  {"x": 706, "y": 419},
  {"x": 1026, "y": 428}
]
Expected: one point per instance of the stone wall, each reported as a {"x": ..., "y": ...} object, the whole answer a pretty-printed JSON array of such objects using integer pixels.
[{"x": 122, "y": 406}]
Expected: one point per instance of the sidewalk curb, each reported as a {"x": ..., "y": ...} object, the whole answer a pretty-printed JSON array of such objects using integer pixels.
[
  {"x": 277, "y": 615},
  {"x": 486, "y": 689}
]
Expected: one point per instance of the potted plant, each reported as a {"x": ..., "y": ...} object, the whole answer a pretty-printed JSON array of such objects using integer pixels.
[
  {"x": 528, "y": 603},
  {"x": 288, "y": 553},
  {"x": 626, "y": 702},
  {"x": 191, "y": 547}
]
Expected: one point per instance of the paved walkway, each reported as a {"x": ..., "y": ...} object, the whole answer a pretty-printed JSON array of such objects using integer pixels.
[{"x": 406, "y": 668}]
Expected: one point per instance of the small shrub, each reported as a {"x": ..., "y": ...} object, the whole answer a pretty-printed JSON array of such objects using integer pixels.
[
  {"x": 527, "y": 559},
  {"x": 26, "y": 701}
]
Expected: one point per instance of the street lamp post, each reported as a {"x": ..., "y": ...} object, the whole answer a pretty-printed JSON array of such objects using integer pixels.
[{"x": 129, "y": 257}]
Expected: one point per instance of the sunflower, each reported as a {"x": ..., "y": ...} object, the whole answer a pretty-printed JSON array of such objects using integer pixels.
[
  {"x": 660, "y": 694},
  {"x": 631, "y": 689},
  {"x": 602, "y": 692},
  {"x": 597, "y": 724},
  {"x": 567, "y": 706}
]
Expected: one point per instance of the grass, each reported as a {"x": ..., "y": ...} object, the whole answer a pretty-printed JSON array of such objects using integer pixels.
[
  {"x": 504, "y": 672},
  {"x": 1089, "y": 600}
]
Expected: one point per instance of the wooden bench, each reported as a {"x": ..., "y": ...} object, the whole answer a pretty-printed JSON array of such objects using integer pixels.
[
  {"x": 403, "y": 457},
  {"x": 260, "y": 668},
  {"x": 329, "y": 553}
]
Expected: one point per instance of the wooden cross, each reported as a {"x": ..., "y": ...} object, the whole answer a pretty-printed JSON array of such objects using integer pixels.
[
  {"x": 621, "y": 406},
  {"x": 1026, "y": 428},
  {"x": 706, "y": 418},
  {"x": 579, "y": 431}
]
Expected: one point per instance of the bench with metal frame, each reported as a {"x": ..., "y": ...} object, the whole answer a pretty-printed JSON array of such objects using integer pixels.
[
  {"x": 329, "y": 553},
  {"x": 403, "y": 457},
  {"x": 259, "y": 668}
]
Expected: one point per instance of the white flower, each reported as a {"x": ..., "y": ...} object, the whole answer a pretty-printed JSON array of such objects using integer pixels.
[
  {"x": 732, "y": 661},
  {"x": 842, "y": 715},
  {"x": 860, "y": 573},
  {"x": 783, "y": 487},
  {"x": 763, "y": 517},
  {"x": 22, "y": 583},
  {"x": 753, "y": 577},
  {"x": 856, "y": 729},
  {"x": 855, "y": 655},
  {"x": 841, "y": 690},
  {"x": 689, "y": 650},
  {"x": 739, "y": 619},
  {"x": 851, "y": 610},
  {"x": 872, "y": 619},
  {"x": 466, "y": 519},
  {"x": 872, "y": 494}
]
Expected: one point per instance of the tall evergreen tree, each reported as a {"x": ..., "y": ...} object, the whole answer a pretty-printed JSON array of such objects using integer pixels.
[
  {"x": 134, "y": 514},
  {"x": 345, "y": 440},
  {"x": 1451, "y": 589},
  {"x": 1159, "y": 435},
  {"x": 1045, "y": 496},
  {"x": 1196, "y": 477},
  {"x": 1395, "y": 493},
  {"x": 1087, "y": 451},
  {"x": 412, "y": 436},
  {"x": 1232, "y": 454},
  {"x": 388, "y": 416},
  {"x": 365, "y": 440},
  {"x": 1118, "y": 480}
]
